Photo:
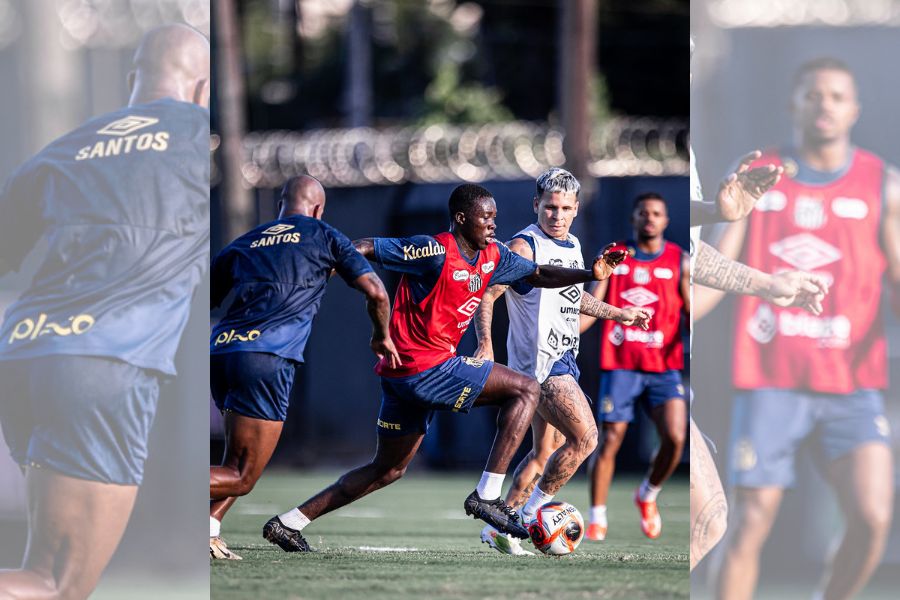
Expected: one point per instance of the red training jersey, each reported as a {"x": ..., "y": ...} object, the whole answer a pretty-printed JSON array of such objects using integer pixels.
[
  {"x": 654, "y": 285},
  {"x": 427, "y": 333},
  {"x": 833, "y": 230}
]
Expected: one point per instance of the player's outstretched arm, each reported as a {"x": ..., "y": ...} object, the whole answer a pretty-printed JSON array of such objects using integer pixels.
[
  {"x": 792, "y": 288},
  {"x": 890, "y": 234},
  {"x": 548, "y": 276},
  {"x": 741, "y": 190},
  {"x": 366, "y": 247},
  {"x": 379, "y": 308},
  {"x": 626, "y": 316},
  {"x": 484, "y": 316},
  {"x": 596, "y": 290}
]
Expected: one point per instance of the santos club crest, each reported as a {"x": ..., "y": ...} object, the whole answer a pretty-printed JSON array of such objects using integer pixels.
[{"x": 474, "y": 282}]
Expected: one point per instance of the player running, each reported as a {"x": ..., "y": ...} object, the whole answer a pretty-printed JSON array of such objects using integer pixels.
[
  {"x": 836, "y": 212},
  {"x": 278, "y": 273},
  {"x": 543, "y": 342},
  {"x": 123, "y": 203},
  {"x": 642, "y": 366},
  {"x": 444, "y": 279}
]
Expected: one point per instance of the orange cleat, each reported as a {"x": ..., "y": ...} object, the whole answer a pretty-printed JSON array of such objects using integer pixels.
[
  {"x": 596, "y": 532},
  {"x": 651, "y": 523}
]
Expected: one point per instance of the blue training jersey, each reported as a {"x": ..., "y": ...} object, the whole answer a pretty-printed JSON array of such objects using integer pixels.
[
  {"x": 123, "y": 202},
  {"x": 278, "y": 272}
]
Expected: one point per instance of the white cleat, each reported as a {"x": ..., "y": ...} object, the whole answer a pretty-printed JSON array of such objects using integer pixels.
[
  {"x": 502, "y": 543},
  {"x": 219, "y": 550}
]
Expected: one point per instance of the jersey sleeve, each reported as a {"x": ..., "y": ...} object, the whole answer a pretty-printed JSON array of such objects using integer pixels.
[
  {"x": 221, "y": 280},
  {"x": 419, "y": 255},
  {"x": 21, "y": 219},
  {"x": 348, "y": 263},
  {"x": 511, "y": 267}
]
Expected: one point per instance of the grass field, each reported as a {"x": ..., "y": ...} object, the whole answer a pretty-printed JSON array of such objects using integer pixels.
[{"x": 413, "y": 540}]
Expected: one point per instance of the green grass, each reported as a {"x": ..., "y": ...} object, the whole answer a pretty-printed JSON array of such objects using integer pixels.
[{"x": 436, "y": 551}]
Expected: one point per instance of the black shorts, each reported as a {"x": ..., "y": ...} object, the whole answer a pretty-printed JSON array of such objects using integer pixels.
[{"x": 252, "y": 384}]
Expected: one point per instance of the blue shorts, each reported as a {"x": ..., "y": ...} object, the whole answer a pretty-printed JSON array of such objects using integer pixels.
[
  {"x": 768, "y": 427},
  {"x": 86, "y": 417},
  {"x": 252, "y": 384},
  {"x": 619, "y": 390},
  {"x": 565, "y": 365},
  {"x": 408, "y": 403}
]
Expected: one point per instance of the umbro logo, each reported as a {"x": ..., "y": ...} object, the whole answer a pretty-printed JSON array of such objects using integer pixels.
[
  {"x": 805, "y": 251},
  {"x": 639, "y": 296},
  {"x": 127, "y": 125},
  {"x": 276, "y": 229},
  {"x": 571, "y": 293},
  {"x": 469, "y": 307}
]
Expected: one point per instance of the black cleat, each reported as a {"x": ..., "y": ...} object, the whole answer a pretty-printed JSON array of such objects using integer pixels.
[
  {"x": 289, "y": 540},
  {"x": 496, "y": 513}
]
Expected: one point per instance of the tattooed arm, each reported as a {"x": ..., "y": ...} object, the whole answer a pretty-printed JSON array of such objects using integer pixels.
[
  {"x": 789, "y": 288},
  {"x": 592, "y": 307},
  {"x": 483, "y": 318}
]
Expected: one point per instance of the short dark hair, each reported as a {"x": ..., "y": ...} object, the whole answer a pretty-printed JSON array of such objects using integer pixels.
[
  {"x": 823, "y": 63},
  {"x": 465, "y": 196},
  {"x": 649, "y": 196}
]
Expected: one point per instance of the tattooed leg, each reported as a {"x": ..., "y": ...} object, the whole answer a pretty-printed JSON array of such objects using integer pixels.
[
  {"x": 546, "y": 439},
  {"x": 565, "y": 407},
  {"x": 709, "y": 511}
]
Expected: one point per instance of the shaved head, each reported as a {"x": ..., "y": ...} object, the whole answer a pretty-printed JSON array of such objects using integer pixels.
[
  {"x": 171, "y": 61},
  {"x": 302, "y": 195}
]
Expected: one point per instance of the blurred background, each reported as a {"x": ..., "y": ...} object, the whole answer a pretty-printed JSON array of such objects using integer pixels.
[
  {"x": 62, "y": 62},
  {"x": 747, "y": 53},
  {"x": 391, "y": 104}
]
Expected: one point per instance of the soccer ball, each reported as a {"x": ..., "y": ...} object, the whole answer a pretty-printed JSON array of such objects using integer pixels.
[{"x": 557, "y": 528}]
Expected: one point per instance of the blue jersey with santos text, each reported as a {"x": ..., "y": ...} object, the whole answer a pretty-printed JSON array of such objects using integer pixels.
[
  {"x": 278, "y": 273},
  {"x": 123, "y": 202}
]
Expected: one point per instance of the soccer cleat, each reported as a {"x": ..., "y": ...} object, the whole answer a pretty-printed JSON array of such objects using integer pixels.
[
  {"x": 596, "y": 532},
  {"x": 289, "y": 540},
  {"x": 651, "y": 523},
  {"x": 219, "y": 550},
  {"x": 503, "y": 543},
  {"x": 495, "y": 513}
]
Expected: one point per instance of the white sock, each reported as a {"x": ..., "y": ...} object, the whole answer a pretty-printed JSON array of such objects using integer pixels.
[
  {"x": 598, "y": 514},
  {"x": 215, "y": 526},
  {"x": 490, "y": 485},
  {"x": 648, "y": 492},
  {"x": 537, "y": 499},
  {"x": 294, "y": 519}
]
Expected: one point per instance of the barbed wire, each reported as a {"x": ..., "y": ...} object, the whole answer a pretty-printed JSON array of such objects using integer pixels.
[
  {"x": 448, "y": 153},
  {"x": 780, "y": 13}
]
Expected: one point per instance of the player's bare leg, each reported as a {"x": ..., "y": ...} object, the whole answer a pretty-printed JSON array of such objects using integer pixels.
[
  {"x": 74, "y": 528},
  {"x": 670, "y": 419},
  {"x": 218, "y": 549},
  {"x": 602, "y": 468},
  {"x": 752, "y": 515},
  {"x": 864, "y": 483},
  {"x": 249, "y": 444},
  {"x": 392, "y": 457},
  {"x": 709, "y": 510},
  {"x": 517, "y": 396},
  {"x": 546, "y": 439},
  {"x": 671, "y": 422},
  {"x": 564, "y": 406}
]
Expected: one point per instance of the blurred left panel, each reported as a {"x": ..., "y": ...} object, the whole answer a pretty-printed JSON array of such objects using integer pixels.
[{"x": 104, "y": 251}]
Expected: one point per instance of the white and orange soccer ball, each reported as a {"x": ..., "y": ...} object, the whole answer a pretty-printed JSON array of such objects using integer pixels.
[{"x": 557, "y": 528}]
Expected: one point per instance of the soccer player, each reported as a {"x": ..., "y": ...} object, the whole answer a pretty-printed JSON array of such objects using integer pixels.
[
  {"x": 123, "y": 202},
  {"x": 543, "y": 343},
  {"x": 445, "y": 277},
  {"x": 642, "y": 366},
  {"x": 735, "y": 198},
  {"x": 277, "y": 273},
  {"x": 837, "y": 213}
]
